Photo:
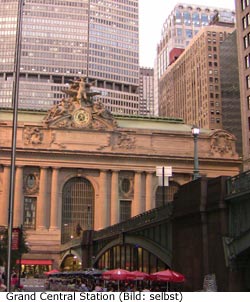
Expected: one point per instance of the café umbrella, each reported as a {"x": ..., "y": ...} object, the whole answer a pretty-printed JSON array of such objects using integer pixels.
[
  {"x": 167, "y": 276},
  {"x": 138, "y": 275},
  {"x": 117, "y": 275},
  {"x": 53, "y": 271}
]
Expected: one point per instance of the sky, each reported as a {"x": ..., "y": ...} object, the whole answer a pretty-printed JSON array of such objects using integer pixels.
[{"x": 153, "y": 13}]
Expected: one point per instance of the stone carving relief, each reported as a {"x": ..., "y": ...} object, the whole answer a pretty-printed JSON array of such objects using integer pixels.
[
  {"x": 80, "y": 110},
  {"x": 222, "y": 143},
  {"x": 31, "y": 182},
  {"x": 126, "y": 186},
  {"x": 32, "y": 135},
  {"x": 125, "y": 141},
  {"x": 54, "y": 142}
]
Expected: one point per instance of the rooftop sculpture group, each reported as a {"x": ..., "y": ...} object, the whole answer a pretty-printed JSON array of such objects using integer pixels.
[{"x": 79, "y": 109}]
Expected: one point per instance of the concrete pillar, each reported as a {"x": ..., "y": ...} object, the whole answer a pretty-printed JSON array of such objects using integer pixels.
[
  {"x": 54, "y": 205},
  {"x": 149, "y": 191},
  {"x": 42, "y": 208},
  {"x": 4, "y": 203},
  {"x": 102, "y": 206},
  {"x": 115, "y": 202},
  {"x": 18, "y": 197},
  {"x": 137, "y": 206}
]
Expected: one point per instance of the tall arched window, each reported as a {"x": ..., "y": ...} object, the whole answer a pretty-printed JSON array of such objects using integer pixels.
[
  {"x": 77, "y": 207},
  {"x": 168, "y": 193}
]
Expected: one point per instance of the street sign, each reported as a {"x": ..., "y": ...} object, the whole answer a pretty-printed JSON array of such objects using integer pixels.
[{"x": 163, "y": 171}]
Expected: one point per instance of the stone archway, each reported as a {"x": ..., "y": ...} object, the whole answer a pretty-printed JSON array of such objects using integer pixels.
[
  {"x": 160, "y": 255},
  {"x": 77, "y": 207}
]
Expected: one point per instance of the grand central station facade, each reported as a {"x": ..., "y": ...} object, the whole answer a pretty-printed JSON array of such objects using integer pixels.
[{"x": 80, "y": 168}]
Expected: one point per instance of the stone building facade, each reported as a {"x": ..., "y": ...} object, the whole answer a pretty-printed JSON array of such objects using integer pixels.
[
  {"x": 78, "y": 167},
  {"x": 191, "y": 88},
  {"x": 243, "y": 45}
]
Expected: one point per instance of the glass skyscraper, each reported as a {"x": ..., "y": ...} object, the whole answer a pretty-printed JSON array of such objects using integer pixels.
[{"x": 63, "y": 40}]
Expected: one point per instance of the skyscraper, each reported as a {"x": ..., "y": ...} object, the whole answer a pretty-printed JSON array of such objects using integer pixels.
[
  {"x": 63, "y": 40},
  {"x": 243, "y": 36},
  {"x": 183, "y": 23},
  {"x": 146, "y": 103},
  {"x": 179, "y": 29},
  {"x": 190, "y": 88}
]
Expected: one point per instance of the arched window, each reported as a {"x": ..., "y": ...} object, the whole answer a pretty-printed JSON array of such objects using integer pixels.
[
  {"x": 168, "y": 193},
  {"x": 77, "y": 207}
]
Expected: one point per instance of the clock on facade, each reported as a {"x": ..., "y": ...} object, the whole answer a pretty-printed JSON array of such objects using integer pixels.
[{"x": 81, "y": 117}]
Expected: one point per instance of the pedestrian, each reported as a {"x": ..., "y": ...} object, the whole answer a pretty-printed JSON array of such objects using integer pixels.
[
  {"x": 14, "y": 282},
  {"x": 2, "y": 286}
]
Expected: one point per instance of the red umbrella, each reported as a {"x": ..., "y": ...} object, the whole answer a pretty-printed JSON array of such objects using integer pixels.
[
  {"x": 116, "y": 274},
  {"x": 167, "y": 275},
  {"x": 53, "y": 271},
  {"x": 137, "y": 275}
]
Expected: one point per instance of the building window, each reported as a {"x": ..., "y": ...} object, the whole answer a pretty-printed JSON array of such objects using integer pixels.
[
  {"x": 247, "y": 61},
  {"x": 125, "y": 210},
  {"x": 125, "y": 185},
  {"x": 248, "y": 81},
  {"x": 243, "y": 4},
  {"x": 189, "y": 33},
  {"x": 77, "y": 207},
  {"x": 248, "y": 102},
  {"x": 29, "y": 215},
  {"x": 245, "y": 42},
  {"x": 244, "y": 23}
]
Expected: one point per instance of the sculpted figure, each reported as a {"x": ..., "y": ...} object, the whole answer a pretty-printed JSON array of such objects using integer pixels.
[{"x": 100, "y": 110}]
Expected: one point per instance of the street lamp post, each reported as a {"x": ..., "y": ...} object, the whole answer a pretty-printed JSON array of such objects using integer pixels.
[{"x": 196, "y": 132}]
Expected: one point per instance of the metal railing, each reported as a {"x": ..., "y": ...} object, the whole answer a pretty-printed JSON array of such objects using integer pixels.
[
  {"x": 238, "y": 184},
  {"x": 139, "y": 221}
]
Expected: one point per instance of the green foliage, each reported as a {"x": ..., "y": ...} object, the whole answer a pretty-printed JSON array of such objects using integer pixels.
[{"x": 16, "y": 254}]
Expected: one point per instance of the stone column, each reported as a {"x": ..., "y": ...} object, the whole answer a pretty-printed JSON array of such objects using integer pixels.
[
  {"x": 149, "y": 191},
  {"x": 42, "y": 208},
  {"x": 18, "y": 197},
  {"x": 137, "y": 206},
  {"x": 102, "y": 206},
  {"x": 54, "y": 205},
  {"x": 4, "y": 203},
  {"x": 115, "y": 206}
]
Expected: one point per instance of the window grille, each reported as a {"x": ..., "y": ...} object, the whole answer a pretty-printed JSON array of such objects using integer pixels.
[
  {"x": 125, "y": 209},
  {"x": 29, "y": 213},
  {"x": 77, "y": 207}
]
